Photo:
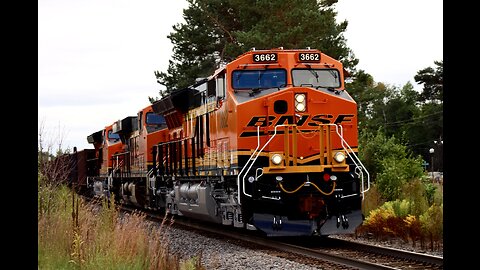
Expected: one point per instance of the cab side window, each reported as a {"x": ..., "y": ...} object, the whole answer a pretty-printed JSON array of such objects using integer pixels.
[{"x": 113, "y": 137}]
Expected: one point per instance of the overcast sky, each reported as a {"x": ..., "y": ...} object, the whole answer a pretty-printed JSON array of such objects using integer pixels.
[{"x": 96, "y": 58}]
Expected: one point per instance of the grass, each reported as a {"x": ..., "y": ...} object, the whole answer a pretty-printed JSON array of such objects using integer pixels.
[{"x": 73, "y": 234}]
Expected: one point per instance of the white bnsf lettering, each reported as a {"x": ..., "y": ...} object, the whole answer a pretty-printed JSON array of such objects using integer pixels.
[{"x": 305, "y": 119}]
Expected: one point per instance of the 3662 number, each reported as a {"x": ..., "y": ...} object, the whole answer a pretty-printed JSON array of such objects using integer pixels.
[
  {"x": 309, "y": 57},
  {"x": 265, "y": 57}
]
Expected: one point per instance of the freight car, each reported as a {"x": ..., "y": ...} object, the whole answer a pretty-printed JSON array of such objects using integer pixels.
[{"x": 268, "y": 142}]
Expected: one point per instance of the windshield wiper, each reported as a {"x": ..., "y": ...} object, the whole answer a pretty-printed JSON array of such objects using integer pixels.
[
  {"x": 253, "y": 92},
  {"x": 257, "y": 90},
  {"x": 312, "y": 71},
  {"x": 334, "y": 74},
  {"x": 260, "y": 74},
  {"x": 329, "y": 88}
]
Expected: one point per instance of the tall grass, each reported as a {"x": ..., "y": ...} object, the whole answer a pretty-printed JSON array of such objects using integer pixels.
[{"x": 73, "y": 234}]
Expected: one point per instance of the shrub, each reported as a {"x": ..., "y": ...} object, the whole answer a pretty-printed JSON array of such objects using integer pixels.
[
  {"x": 401, "y": 208},
  {"x": 432, "y": 224},
  {"x": 413, "y": 227},
  {"x": 373, "y": 200},
  {"x": 376, "y": 222},
  {"x": 389, "y": 162},
  {"x": 438, "y": 196},
  {"x": 430, "y": 190},
  {"x": 414, "y": 192},
  {"x": 391, "y": 179}
]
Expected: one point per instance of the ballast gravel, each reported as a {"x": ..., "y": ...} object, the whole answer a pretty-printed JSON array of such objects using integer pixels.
[{"x": 224, "y": 255}]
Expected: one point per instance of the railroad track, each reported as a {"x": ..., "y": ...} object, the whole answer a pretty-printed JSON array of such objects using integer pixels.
[
  {"x": 389, "y": 258},
  {"x": 325, "y": 253},
  {"x": 328, "y": 253}
]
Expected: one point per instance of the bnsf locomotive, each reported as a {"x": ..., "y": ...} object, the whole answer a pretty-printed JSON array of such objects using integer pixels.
[{"x": 268, "y": 142}]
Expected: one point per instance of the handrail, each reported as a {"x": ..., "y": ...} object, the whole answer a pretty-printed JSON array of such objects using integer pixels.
[
  {"x": 355, "y": 159},
  {"x": 238, "y": 177},
  {"x": 148, "y": 175},
  {"x": 110, "y": 176},
  {"x": 157, "y": 166},
  {"x": 257, "y": 153}
]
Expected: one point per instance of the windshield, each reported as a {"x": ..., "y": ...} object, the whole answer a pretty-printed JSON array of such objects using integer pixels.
[
  {"x": 316, "y": 77},
  {"x": 264, "y": 79},
  {"x": 154, "y": 122}
]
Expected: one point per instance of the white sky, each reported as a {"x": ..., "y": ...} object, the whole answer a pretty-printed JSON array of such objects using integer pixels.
[{"x": 96, "y": 58}]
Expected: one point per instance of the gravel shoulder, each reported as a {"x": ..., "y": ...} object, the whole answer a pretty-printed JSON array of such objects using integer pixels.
[{"x": 225, "y": 254}]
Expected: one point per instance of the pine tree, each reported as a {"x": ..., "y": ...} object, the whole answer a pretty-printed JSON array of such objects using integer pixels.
[
  {"x": 217, "y": 31},
  {"x": 432, "y": 80}
]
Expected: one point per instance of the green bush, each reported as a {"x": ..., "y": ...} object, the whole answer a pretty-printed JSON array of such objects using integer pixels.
[
  {"x": 395, "y": 174},
  {"x": 376, "y": 147},
  {"x": 373, "y": 200},
  {"x": 430, "y": 190},
  {"x": 438, "y": 196},
  {"x": 390, "y": 164},
  {"x": 391, "y": 178},
  {"x": 414, "y": 191},
  {"x": 432, "y": 224},
  {"x": 401, "y": 208}
]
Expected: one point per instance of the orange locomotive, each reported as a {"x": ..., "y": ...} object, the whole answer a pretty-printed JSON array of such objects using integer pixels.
[
  {"x": 106, "y": 144},
  {"x": 268, "y": 142},
  {"x": 124, "y": 156}
]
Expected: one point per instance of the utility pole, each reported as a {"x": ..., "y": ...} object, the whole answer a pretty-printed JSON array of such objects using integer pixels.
[{"x": 431, "y": 154}]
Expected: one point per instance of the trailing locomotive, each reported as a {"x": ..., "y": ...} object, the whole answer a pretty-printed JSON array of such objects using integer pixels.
[{"x": 268, "y": 142}]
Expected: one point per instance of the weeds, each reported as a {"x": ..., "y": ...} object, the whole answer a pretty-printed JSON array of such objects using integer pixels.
[{"x": 73, "y": 234}]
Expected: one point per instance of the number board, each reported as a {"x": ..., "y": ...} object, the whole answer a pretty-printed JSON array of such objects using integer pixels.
[
  {"x": 308, "y": 57},
  {"x": 265, "y": 57}
]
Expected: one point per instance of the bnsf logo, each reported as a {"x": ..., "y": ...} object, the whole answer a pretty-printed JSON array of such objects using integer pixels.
[{"x": 305, "y": 119}]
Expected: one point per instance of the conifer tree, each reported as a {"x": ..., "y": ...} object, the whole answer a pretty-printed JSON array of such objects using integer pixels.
[{"x": 217, "y": 31}]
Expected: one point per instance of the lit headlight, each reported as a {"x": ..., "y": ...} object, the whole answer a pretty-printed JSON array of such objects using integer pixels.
[
  {"x": 300, "y": 97},
  {"x": 339, "y": 157},
  {"x": 300, "y": 107},
  {"x": 300, "y": 102},
  {"x": 276, "y": 159}
]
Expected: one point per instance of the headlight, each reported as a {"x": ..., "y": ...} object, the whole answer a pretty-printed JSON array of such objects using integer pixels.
[
  {"x": 300, "y": 102},
  {"x": 300, "y": 107},
  {"x": 300, "y": 97},
  {"x": 339, "y": 157},
  {"x": 277, "y": 159}
]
